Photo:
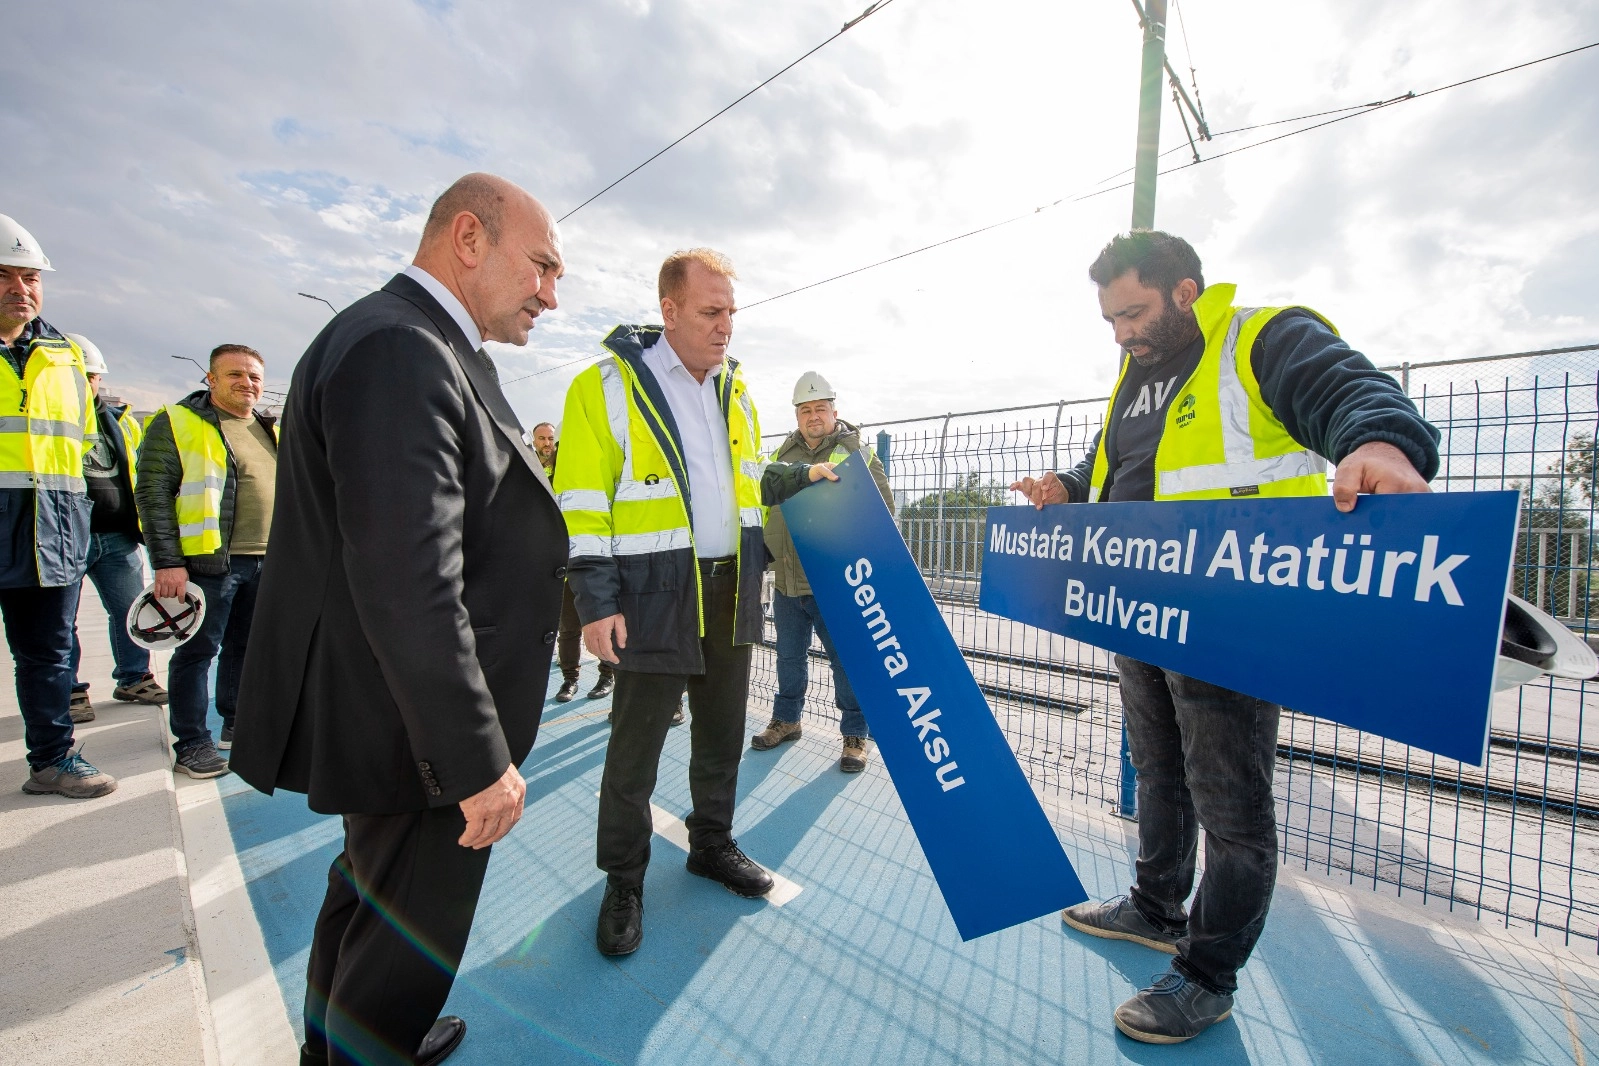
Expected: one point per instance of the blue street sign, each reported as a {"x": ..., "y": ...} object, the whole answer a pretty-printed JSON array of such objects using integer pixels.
[
  {"x": 1386, "y": 619},
  {"x": 990, "y": 846}
]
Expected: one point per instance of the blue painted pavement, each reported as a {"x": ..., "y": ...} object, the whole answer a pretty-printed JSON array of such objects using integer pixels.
[{"x": 865, "y": 966}]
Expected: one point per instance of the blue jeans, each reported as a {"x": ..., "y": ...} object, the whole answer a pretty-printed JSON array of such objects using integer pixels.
[
  {"x": 1204, "y": 756},
  {"x": 117, "y": 569},
  {"x": 796, "y": 616},
  {"x": 38, "y": 624},
  {"x": 229, "y": 607}
]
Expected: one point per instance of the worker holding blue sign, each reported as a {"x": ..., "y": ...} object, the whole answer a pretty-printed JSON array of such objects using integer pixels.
[{"x": 1216, "y": 401}]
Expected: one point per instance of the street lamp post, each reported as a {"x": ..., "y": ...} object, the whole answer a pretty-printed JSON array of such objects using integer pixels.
[{"x": 308, "y": 296}]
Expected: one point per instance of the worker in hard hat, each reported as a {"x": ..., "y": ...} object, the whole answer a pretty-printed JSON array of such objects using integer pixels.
[
  {"x": 1216, "y": 401},
  {"x": 116, "y": 561},
  {"x": 46, "y": 418},
  {"x": 820, "y": 436}
]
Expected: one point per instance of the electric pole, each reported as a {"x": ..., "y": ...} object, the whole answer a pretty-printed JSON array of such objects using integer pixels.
[{"x": 1150, "y": 99}]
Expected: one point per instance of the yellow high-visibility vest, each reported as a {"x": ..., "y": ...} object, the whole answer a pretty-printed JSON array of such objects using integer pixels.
[
  {"x": 1220, "y": 439},
  {"x": 620, "y": 474},
  {"x": 204, "y": 454},
  {"x": 45, "y": 416}
]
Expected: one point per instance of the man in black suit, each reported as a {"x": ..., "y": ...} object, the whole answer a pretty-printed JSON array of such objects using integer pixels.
[{"x": 406, "y": 616}]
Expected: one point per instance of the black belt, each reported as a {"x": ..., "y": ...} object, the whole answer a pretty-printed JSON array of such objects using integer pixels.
[{"x": 727, "y": 564}]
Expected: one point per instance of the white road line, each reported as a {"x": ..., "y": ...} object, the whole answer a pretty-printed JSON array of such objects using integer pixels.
[
  {"x": 247, "y": 1007},
  {"x": 671, "y": 827}
]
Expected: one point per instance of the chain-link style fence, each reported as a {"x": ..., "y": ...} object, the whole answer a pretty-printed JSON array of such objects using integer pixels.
[{"x": 1517, "y": 838}]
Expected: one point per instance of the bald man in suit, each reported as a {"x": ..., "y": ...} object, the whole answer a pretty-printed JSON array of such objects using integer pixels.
[{"x": 406, "y": 616}]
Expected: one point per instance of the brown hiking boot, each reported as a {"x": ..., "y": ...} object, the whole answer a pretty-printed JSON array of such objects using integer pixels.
[
  {"x": 145, "y": 690},
  {"x": 80, "y": 708},
  {"x": 774, "y": 734},
  {"x": 855, "y": 754},
  {"x": 71, "y": 776}
]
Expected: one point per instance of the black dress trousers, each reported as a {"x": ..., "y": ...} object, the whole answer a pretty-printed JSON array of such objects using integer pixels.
[
  {"x": 390, "y": 936},
  {"x": 642, "y": 710}
]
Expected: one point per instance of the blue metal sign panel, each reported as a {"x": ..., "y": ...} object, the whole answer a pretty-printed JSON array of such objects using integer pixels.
[
  {"x": 1386, "y": 618},
  {"x": 992, "y": 849}
]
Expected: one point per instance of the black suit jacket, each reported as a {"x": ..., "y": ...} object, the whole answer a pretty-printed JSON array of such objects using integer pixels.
[{"x": 401, "y": 644}]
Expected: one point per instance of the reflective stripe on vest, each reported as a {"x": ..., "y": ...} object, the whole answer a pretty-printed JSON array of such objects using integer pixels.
[
  {"x": 1220, "y": 439},
  {"x": 205, "y": 475},
  {"x": 44, "y": 418}
]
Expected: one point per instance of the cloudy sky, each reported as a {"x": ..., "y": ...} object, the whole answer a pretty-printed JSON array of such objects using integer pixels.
[{"x": 190, "y": 167}]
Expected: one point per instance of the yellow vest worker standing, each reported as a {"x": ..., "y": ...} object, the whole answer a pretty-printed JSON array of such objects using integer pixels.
[
  {"x": 115, "y": 562},
  {"x": 207, "y": 473},
  {"x": 569, "y": 636},
  {"x": 46, "y": 414},
  {"x": 660, "y": 483},
  {"x": 1216, "y": 401}
]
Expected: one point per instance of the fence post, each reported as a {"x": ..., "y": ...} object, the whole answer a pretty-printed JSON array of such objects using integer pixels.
[
  {"x": 1404, "y": 377},
  {"x": 939, "y": 538},
  {"x": 1128, "y": 808},
  {"x": 1054, "y": 447},
  {"x": 883, "y": 442}
]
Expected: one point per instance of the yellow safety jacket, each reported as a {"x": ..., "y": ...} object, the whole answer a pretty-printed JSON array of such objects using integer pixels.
[
  {"x": 623, "y": 486},
  {"x": 132, "y": 435},
  {"x": 1221, "y": 440},
  {"x": 45, "y": 417},
  {"x": 204, "y": 454}
]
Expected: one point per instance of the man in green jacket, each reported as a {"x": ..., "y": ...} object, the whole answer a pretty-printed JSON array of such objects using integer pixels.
[{"x": 821, "y": 437}]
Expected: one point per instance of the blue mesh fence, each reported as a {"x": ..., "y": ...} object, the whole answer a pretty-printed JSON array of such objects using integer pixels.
[{"x": 1516, "y": 840}]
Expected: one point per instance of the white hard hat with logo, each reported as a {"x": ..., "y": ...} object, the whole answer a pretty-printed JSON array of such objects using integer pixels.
[
  {"x": 93, "y": 361},
  {"x": 18, "y": 248},
  {"x": 1533, "y": 644},
  {"x": 812, "y": 386}
]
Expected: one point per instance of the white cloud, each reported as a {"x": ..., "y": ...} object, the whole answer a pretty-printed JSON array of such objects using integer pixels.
[{"x": 208, "y": 161}]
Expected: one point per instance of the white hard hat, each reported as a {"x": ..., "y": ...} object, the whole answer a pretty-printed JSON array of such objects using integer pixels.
[
  {"x": 1533, "y": 644},
  {"x": 18, "y": 248},
  {"x": 93, "y": 361},
  {"x": 812, "y": 386},
  {"x": 160, "y": 624}
]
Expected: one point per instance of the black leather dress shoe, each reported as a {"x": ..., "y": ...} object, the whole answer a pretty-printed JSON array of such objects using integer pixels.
[
  {"x": 602, "y": 688},
  {"x": 621, "y": 926},
  {"x": 442, "y": 1040},
  {"x": 730, "y": 866},
  {"x": 567, "y": 691}
]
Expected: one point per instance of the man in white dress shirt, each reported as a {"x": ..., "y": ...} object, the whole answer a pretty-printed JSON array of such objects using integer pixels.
[{"x": 660, "y": 483}]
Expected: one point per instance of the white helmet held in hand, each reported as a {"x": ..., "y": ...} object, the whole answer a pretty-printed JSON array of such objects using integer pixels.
[
  {"x": 812, "y": 386},
  {"x": 163, "y": 624},
  {"x": 93, "y": 361},
  {"x": 18, "y": 248}
]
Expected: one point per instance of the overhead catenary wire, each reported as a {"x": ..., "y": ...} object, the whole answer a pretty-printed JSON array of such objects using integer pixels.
[
  {"x": 1356, "y": 112},
  {"x": 1340, "y": 114},
  {"x": 871, "y": 9}
]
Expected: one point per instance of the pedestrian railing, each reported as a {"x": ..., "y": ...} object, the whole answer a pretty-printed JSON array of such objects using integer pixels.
[{"x": 1517, "y": 838}]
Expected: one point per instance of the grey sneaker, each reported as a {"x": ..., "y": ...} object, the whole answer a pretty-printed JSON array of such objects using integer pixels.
[
  {"x": 71, "y": 776},
  {"x": 225, "y": 738},
  {"x": 80, "y": 708},
  {"x": 1119, "y": 919},
  {"x": 774, "y": 734},
  {"x": 1172, "y": 1010},
  {"x": 200, "y": 759}
]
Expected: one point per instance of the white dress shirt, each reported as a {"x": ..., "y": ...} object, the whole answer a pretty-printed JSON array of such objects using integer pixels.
[
  {"x": 703, "y": 429},
  {"x": 446, "y": 300}
]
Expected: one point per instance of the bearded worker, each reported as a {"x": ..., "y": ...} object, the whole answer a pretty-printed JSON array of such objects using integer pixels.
[{"x": 1216, "y": 401}]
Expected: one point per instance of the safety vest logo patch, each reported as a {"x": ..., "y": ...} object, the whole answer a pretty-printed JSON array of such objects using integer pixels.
[{"x": 1186, "y": 411}]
